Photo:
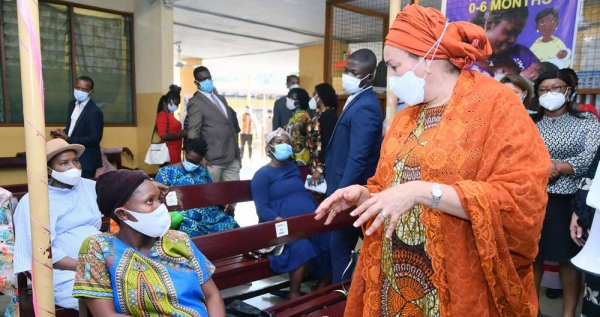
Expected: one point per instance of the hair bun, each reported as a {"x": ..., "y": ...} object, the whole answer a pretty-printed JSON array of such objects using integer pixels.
[{"x": 175, "y": 89}]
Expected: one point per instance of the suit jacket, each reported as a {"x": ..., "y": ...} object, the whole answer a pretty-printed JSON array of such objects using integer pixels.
[
  {"x": 206, "y": 120},
  {"x": 87, "y": 132},
  {"x": 353, "y": 151},
  {"x": 281, "y": 114}
]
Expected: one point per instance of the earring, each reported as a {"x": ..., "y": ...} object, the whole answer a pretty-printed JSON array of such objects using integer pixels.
[{"x": 537, "y": 31}]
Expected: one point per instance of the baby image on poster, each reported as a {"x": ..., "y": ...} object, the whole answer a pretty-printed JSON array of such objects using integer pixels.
[
  {"x": 549, "y": 47},
  {"x": 511, "y": 30}
]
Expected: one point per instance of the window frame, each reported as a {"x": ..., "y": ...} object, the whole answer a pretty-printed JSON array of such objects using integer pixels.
[{"x": 72, "y": 58}]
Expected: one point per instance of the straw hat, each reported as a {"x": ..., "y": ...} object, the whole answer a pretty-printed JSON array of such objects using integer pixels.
[{"x": 57, "y": 146}]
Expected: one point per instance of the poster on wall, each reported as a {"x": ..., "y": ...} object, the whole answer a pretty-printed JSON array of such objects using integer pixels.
[{"x": 528, "y": 37}]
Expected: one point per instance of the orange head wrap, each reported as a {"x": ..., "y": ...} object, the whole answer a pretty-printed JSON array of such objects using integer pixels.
[{"x": 416, "y": 30}]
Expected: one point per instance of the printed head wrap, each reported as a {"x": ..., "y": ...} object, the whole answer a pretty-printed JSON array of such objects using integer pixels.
[
  {"x": 113, "y": 189},
  {"x": 416, "y": 29}
]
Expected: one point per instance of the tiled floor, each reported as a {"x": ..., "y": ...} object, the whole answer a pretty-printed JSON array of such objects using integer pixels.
[{"x": 553, "y": 307}]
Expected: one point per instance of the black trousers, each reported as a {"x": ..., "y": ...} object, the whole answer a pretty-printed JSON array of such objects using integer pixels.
[{"x": 246, "y": 138}]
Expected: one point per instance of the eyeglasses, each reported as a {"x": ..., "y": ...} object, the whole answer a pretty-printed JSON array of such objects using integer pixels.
[{"x": 555, "y": 89}]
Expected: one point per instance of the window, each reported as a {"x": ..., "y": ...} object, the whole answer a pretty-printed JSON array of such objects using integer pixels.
[{"x": 74, "y": 42}]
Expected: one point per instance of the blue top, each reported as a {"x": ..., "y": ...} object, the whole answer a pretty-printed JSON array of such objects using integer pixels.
[
  {"x": 196, "y": 221},
  {"x": 279, "y": 192},
  {"x": 165, "y": 282}
]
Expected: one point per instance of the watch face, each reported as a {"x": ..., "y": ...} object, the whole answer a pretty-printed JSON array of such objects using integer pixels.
[{"x": 436, "y": 191}]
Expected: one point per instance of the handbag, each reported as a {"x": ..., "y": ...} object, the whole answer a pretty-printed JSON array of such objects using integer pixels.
[
  {"x": 237, "y": 308},
  {"x": 157, "y": 153}
]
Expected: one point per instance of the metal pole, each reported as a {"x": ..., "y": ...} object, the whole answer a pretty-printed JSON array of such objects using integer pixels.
[{"x": 37, "y": 175}]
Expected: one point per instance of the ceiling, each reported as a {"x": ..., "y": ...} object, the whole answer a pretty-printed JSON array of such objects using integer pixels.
[{"x": 248, "y": 35}]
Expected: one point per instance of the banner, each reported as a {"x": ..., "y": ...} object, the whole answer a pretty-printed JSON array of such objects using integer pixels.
[{"x": 528, "y": 37}]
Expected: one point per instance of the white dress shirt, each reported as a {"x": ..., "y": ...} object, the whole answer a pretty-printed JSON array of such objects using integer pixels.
[
  {"x": 76, "y": 113},
  {"x": 212, "y": 97},
  {"x": 351, "y": 97}
]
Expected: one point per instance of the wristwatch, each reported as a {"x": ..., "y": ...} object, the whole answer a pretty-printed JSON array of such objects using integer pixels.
[{"x": 436, "y": 195}]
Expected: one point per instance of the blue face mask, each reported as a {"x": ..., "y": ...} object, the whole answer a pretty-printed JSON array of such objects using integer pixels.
[
  {"x": 282, "y": 151},
  {"x": 81, "y": 96},
  {"x": 190, "y": 167},
  {"x": 206, "y": 85},
  {"x": 172, "y": 107}
]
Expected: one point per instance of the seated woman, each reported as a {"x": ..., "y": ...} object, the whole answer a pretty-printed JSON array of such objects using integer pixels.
[
  {"x": 145, "y": 269},
  {"x": 196, "y": 221},
  {"x": 74, "y": 216},
  {"x": 279, "y": 193}
]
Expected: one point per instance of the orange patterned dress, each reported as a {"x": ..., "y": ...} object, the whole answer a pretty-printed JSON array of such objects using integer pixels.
[{"x": 483, "y": 144}]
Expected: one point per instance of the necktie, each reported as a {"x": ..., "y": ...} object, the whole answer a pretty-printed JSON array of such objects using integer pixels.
[{"x": 216, "y": 102}]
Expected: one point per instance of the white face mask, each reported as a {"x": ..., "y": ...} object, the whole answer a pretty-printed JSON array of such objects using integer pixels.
[
  {"x": 410, "y": 88},
  {"x": 154, "y": 224},
  {"x": 312, "y": 104},
  {"x": 352, "y": 84},
  {"x": 69, "y": 177},
  {"x": 294, "y": 86},
  {"x": 552, "y": 101},
  {"x": 290, "y": 103}
]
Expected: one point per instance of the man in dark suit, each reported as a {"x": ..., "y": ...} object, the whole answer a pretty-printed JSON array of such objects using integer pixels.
[
  {"x": 209, "y": 117},
  {"x": 281, "y": 114},
  {"x": 353, "y": 151},
  {"x": 85, "y": 126}
]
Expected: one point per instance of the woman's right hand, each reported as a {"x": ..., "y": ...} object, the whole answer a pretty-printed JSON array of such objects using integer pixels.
[
  {"x": 554, "y": 171},
  {"x": 340, "y": 200}
]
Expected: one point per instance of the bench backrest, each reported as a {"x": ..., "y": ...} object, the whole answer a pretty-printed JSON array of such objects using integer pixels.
[
  {"x": 241, "y": 240},
  {"x": 587, "y": 96},
  {"x": 213, "y": 194},
  {"x": 12, "y": 162}
]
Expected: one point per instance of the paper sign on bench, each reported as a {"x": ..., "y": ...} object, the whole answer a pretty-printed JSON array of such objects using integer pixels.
[
  {"x": 171, "y": 199},
  {"x": 281, "y": 229}
]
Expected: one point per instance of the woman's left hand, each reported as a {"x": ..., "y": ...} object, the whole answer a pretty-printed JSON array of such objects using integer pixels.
[
  {"x": 391, "y": 203},
  {"x": 576, "y": 231}
]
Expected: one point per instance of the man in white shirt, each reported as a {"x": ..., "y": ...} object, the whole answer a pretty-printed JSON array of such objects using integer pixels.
[
  {"x": 85, "y": 125},
  {"x": 209, "y": 117}
]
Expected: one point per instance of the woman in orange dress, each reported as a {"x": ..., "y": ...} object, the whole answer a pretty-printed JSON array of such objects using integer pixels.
[
  {"x": 167, "y": 127},
  {"x": 453, "y": 215}
]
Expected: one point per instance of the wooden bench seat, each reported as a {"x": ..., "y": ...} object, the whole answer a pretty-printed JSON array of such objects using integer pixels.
[
  {"x": 314, "y": 302},
  {"x": 234, "y": 269}
]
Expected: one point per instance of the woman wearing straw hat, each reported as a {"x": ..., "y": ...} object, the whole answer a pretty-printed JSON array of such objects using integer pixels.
[{"x": 74, "y": 216}]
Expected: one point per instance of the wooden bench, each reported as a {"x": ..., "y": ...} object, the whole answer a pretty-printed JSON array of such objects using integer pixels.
[
  {"x": 323, "y": 302},
  {"x": 587, "y": 96},
  {"x": 235, "y": 269},
  {"x": 12, "y": 162},
  {"x": 232, "y": 267}
]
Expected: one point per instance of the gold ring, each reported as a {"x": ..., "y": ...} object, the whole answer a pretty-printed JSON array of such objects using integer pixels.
[{"x": 332, "y": 211}]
